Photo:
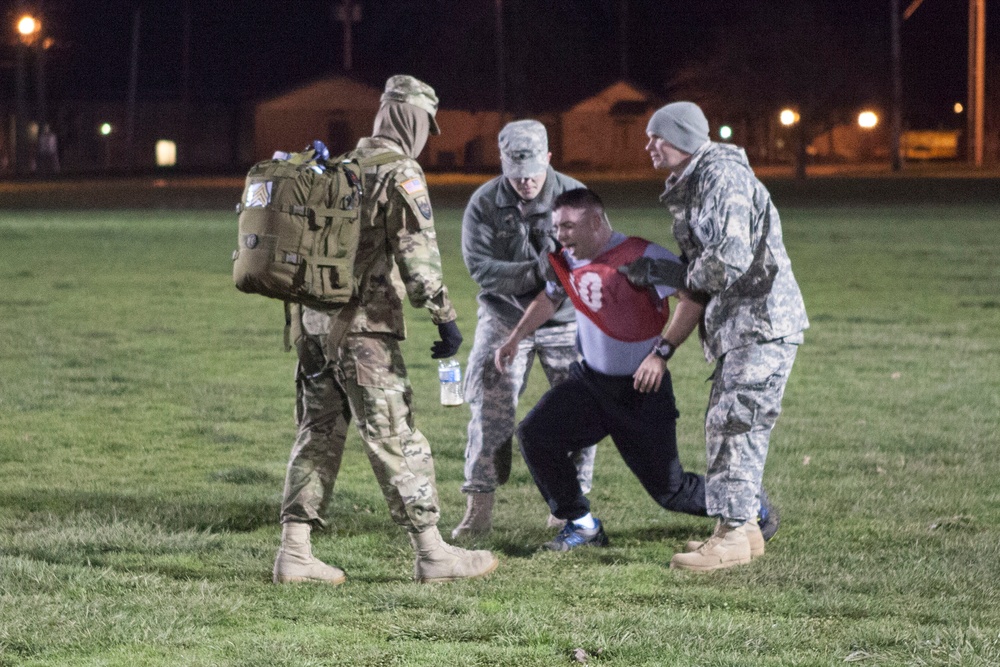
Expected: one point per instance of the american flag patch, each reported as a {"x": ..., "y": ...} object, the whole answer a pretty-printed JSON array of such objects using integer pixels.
[{"x": 413, "y": 185}]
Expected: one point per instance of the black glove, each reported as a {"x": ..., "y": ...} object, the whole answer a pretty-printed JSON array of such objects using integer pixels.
[
  {"x": 646, "y": 272},
  {"x": 544, "y": 267},
  {"x": 451, "y": 339}
]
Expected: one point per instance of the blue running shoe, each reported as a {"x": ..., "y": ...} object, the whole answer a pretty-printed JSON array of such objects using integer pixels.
[
  {"x": 768, "y": 518},
  {"x": 573, "y": 536}
]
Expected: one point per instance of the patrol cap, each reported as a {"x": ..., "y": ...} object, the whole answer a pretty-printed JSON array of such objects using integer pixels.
[
  {"x": 411, "y": 90},
  {"x": 524, "y": 148}
]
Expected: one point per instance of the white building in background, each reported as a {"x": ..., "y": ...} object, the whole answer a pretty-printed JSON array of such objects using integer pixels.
[
  {"x": 336, "y": 110},
  {"x": 607, "y": 131},
  {"x": 604, "y": 132}
]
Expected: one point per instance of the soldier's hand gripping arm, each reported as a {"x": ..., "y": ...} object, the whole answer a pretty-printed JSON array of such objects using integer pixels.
[
  {"x": 544, "y": 267},
  {"x": 647, "y": 271},
  {"x": 492, "y": 273}
]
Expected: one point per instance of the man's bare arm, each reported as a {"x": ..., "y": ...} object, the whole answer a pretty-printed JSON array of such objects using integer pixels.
[
  {"x": 535, "y": 315},
  {"x": 687, "y": 315}
]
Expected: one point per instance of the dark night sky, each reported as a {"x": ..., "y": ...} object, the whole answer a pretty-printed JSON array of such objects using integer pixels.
[{"x": 557, "y": 50}]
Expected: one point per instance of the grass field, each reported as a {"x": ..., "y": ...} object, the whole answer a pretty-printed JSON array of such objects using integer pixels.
[{"x": 146, "y": 419}]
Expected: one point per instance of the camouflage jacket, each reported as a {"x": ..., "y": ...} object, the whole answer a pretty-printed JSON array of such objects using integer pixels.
[
  {"x": 720, "y": 212},
  {"x": 502, "y": 241},
  {"x": 398, "y": 253}
]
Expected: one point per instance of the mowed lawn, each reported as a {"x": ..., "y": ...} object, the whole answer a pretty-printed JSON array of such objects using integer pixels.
[{"x": 146, "y": 419}]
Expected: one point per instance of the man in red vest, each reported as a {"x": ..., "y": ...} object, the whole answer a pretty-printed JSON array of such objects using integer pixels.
[{"x": 621, "y": 388}]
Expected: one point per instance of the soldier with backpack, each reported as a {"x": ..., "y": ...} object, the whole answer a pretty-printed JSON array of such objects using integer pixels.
[{"x": 349, "y": 361}]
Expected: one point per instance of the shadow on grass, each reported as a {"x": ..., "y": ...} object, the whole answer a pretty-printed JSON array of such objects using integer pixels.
[
  {"x": 239, "y": 515},
  {"x": 521, "y": 543}
]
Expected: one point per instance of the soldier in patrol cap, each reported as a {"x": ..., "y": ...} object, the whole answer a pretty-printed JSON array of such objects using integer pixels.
[
  {"x": 507, "y": 235},
  {"x": 350, "y": 365},
  {"x": 753, "y": 321}
]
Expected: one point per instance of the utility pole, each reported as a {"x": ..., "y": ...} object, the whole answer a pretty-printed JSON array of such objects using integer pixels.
[
  {"x": 348, "y": 12},
  {"x": 623, "y": 40},
  {"x": 186, "y": 58},
  {"x": 21, "y": 114},
  {"x": 41, "y": 97},
  {"x": 976, "y": 79},
  {"x": 501, "y": 75},
  {"x": 976, "y": 83},
  {"x": 897, "y": 87},
  {"x": 133, "y": 85},
  {"x": 185, "y": 129}
]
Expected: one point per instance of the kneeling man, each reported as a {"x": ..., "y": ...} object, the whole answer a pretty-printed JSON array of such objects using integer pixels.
[{"x": 621, "y": 388}]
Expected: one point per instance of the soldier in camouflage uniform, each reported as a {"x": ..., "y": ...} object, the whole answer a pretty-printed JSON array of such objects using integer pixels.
[
  {"x": 506, "y": 237},
  {"x": 350, "y": 363},
  {"x": 730, "y": 236}
]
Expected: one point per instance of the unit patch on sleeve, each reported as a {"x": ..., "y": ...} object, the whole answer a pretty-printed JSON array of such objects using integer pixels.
[
  {"x": 424, "y": 204},
  {"x": 412, "y": 186},
  {"x": 258, "y": 195}
]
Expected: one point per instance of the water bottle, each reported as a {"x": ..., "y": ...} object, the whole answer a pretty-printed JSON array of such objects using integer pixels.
[{"x": 450, "y": 374}]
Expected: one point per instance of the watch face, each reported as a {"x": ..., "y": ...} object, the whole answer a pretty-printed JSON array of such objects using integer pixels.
[{"x": 664, "y": 350}]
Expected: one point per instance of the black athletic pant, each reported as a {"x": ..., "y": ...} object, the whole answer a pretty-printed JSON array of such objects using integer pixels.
[{"x": 585, "y": 408}]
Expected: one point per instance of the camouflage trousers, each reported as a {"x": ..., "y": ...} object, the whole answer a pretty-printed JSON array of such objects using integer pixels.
[
  {"x": 743, "y": 406},
  {"x": 493, "y": 396},
  {"x": 364, "y": 379}
]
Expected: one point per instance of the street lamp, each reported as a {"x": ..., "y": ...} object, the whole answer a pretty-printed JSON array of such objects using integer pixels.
[
  {"x": 867, "y": 119},
  {"x": 29, "y": 31},
  {"x": 788, "y": 117},
  {"x": 105, "y": 129},
  {"x": 27, "y": 28}
]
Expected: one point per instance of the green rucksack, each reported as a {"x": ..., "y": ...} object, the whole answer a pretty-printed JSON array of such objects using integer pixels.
[{"x": 299, "y": 227}]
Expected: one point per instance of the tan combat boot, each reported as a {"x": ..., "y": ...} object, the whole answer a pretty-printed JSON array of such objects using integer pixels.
[
  {"x": 478, "y": 519},
  {"x": 438, "y": 562},
  {"x": 295, "y": 562},
  {"x": 725, "y": 548},
  {"x": 754, "y": 536}
]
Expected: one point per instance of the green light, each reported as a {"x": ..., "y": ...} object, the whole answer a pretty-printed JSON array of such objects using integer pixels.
[
  {"x": 725, "y": 131},
  {"x": 105, "y": 129}
]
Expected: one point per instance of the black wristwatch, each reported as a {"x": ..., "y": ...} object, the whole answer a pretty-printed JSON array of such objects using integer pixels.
[{"x": 664, "y": 350}]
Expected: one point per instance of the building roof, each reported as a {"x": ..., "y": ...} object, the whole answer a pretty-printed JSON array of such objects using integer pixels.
[
  {"x": 621, "y": 97},
  {"x": 336, "y": 92}
]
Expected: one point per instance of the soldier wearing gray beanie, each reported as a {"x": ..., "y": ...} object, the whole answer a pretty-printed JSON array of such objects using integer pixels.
[
  {"x": 751, "y": 322},
  {"x": 682, "y": 124}
]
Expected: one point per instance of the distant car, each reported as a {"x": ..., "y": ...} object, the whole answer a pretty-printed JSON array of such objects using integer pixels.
[{"x": 930, "y": 144}]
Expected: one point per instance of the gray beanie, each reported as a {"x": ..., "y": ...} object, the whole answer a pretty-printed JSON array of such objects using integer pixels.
[{"x": 682, "y": 124}]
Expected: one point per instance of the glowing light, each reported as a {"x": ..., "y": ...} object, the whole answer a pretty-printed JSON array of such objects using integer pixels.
[
  {"x": 867, "y": 119},
  {"x": 725, "y": 132},
  {"x": 105, "y": 129},
  {"x": 788, "y": 117},
  {"x": 166, "y": 153},
  {"x": 958, "y": 107},
  {"x": 27, "y": 25}
]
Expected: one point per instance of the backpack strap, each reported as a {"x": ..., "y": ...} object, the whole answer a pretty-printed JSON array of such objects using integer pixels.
[
  {"x": 341, "y": 321},
  {"x": 376, "y": 160}
]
